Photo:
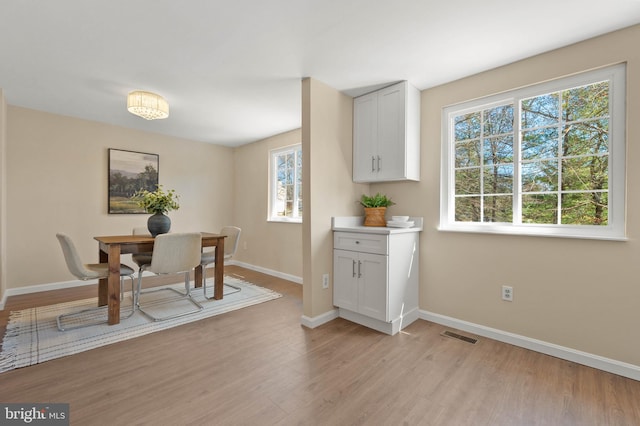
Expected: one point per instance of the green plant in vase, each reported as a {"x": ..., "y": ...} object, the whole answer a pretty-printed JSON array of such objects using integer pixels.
[
  {"x": 375, "y": 207},
  {"x": 157, "y": 202}
]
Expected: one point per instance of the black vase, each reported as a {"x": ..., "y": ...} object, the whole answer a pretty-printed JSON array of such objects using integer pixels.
[{"x": 159, "y": 223}]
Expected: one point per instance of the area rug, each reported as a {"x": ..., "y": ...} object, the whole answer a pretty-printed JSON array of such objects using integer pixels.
[{"x": 33, "y": 337}]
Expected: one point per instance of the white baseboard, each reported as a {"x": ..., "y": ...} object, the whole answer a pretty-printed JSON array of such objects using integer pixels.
[
  {"x": 288, "y": 277},
  {"x": 319, "y": 320},
  {"x": 601, "y": 363},
  {"x": 50, "y": 286}
]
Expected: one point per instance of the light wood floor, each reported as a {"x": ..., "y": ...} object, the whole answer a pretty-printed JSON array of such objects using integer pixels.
[{"x": 259, "y": 366}]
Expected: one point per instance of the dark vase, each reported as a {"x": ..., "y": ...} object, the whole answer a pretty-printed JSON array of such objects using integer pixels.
[{"x": 159, "y": 223}]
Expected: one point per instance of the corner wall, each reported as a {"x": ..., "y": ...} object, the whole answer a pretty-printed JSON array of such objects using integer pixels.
[
  {"x": 327, "y": 121},
  {"x": 273, "y": 246}
]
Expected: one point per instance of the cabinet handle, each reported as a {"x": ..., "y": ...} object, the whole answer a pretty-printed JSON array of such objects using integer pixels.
[
  {"x": 359, "y": 271},
  {"x": 353, "y": 268},
  {"x": 373, "y": 164},
  {"x": 378, "y": 163}
]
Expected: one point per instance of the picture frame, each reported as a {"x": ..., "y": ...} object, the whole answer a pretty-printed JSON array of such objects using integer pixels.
[{"x": 129, "y": 172}]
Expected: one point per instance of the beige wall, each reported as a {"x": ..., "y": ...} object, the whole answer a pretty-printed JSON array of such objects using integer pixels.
[
  {"x": 3, "y": 204},
  {"x": 275, "y": 246},
  {"x": 327, "y": 117},
  {"x": 580, "y": 294},
  {"x": 57, "y": 182}
]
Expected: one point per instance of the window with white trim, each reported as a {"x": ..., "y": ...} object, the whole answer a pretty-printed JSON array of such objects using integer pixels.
[
  {"x": 547, "y": 159},
  {"x": 285, "y": 200}
]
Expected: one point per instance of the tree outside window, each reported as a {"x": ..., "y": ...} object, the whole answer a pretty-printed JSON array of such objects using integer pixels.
[{"x": 286, "y": 184}]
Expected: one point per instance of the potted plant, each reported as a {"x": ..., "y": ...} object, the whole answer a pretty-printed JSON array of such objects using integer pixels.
[
  {"x": 375, "y": 207},
  {"x": 157, "y": 202}
]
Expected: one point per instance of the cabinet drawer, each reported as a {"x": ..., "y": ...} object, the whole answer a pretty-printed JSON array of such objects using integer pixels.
[{"x": 355, "y": 241}]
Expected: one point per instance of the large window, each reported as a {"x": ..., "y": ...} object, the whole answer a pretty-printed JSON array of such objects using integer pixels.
[
  {"x": 548, "y": 159},
  {"x": 286, "y": 184}
]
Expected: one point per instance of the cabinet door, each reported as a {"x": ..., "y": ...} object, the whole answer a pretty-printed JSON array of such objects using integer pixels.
[
  {"x": 391, "y": 132},
  {"x": 365, "y": 137},
  {"x": 345, "y": 279},
  {"x": 372, "y": 286}
]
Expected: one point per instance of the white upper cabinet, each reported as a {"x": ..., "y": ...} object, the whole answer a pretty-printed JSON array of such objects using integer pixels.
[{"x": 386, "y": 134}]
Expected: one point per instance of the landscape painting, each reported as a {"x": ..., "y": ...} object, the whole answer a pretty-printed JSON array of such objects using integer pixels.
[{"x": 129, "y": 172}]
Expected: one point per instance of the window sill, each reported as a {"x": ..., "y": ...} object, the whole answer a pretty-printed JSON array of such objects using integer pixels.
[
  {"x": 285, "y": 220},
  {"x": 535, "y": 231}
]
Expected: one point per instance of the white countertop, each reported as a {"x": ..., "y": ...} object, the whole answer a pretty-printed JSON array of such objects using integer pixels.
[{"x": 355, "y": 224}]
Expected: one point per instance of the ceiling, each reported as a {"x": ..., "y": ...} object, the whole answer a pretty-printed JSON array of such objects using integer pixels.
[{"x": 231, "y": 70}]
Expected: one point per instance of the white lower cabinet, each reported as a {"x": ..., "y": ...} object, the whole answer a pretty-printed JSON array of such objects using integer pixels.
[
  {"x": 376, "y": 278},
  {"x": 363, "y": 284}
]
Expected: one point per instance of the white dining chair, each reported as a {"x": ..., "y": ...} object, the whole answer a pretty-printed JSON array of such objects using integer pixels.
[
  {"x": 172, "y": 254},
  {"x": 85, "y": 272}
]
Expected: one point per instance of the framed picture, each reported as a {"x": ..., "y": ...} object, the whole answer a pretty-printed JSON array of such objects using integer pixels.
[{"x": 130, "y": 171}]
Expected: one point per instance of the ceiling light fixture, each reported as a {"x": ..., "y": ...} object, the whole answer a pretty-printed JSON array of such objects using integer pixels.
[{"x": 147, "y": 105}]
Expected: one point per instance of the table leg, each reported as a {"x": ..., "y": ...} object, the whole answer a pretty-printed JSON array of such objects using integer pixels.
[
  {"x": 218, "y": 286},
  {"x": 197, "y": 276},
  {"x": 103, "y": 294},
  {"x": 113, "y": 284}
]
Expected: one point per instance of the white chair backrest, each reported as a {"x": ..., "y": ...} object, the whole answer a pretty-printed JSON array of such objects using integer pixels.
[
  {"x": 173, "y": 253},
  {"x": 141, "y": 231},
  {"x": 71, "y": 257},
  {"x": 231, "y": 242}
]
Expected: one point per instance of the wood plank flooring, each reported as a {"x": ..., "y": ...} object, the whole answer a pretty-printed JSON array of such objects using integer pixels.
[{"x": 259, "y": 366}]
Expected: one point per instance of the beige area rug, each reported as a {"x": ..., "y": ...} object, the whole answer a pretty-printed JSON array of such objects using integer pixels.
[{"x": 32, "y": 335}]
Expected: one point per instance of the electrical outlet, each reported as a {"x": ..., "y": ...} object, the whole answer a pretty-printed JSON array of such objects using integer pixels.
[
  {"x": 325, "y": 281},
  {"x": 507, "y": 293}
]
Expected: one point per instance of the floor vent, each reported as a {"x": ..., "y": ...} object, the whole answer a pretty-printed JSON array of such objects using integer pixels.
[{"x": 447, "y": 333}]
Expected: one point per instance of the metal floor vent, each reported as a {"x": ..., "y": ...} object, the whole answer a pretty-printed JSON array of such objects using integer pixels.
[{"x": 451, "y": 334}]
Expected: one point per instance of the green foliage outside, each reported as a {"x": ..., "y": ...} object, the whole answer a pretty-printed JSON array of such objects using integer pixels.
[{"x": 564, "y": 159}]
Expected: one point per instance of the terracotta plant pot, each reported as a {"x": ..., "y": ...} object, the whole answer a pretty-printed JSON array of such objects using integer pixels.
[{"x": 374, "y": 216}]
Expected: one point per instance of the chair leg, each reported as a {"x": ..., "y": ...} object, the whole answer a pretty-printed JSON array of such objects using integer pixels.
[
  {"x": 204, "y": 287},
  {"x": 186, "y": 296}
]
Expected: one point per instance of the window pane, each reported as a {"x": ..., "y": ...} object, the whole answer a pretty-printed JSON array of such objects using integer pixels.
[
  {"x": 498, "y": 150},
  {"x": 468, "y": 181},
  {"x": 540, "y": 208},
  {"x": 467, "y": 209},
  {"x": 584, "y": 102},
  {"x": 540, "y": 143},
  {"x": 540, "y": 176},
  {"x": 591, "y": 137},
  {"x": 287, "y": 183},
  {"x": 585, "y": 208},
  {"x": 540, "y": 111},
  {"x": 498, "y": 179},
  {"x": 467, "y": 126},
  {"x": 498, "y": 120},
  {"x": 585, "y": 173},
  {"x": 468, "y": 153},
  {"x": 498, "y": 208}
]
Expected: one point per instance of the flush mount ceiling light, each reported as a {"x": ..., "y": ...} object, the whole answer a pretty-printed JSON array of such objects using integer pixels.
[{"x": 147, "y": 105}]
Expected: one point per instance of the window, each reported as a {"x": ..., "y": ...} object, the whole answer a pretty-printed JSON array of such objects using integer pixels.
[
  {"x": 547, "y": 159},
  {"x": 286, "y": 184}
]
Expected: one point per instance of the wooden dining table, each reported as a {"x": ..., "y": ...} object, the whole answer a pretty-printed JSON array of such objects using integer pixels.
[{"x": 110, "y": 249}]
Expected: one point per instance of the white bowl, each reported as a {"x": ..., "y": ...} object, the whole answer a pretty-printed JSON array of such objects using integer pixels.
[{"x": 399, "y": 218}]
